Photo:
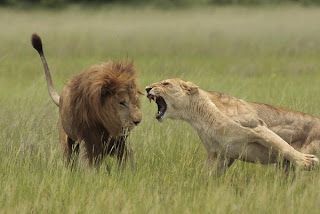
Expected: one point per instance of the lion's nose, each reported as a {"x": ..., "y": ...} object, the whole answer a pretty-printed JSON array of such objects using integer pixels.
[
  {"x": 148, "y": 89},
  {"x": 136, "y": 122}
]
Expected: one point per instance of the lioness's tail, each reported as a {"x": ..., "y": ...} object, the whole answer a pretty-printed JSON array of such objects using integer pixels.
[{"x": 37, "y": 44}]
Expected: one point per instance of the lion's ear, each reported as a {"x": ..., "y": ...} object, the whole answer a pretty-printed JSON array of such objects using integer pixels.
[
  {"x": 108, "y": 89},
  {"x": 106, "y": 92},
  {"x": 190, "y": 87}
]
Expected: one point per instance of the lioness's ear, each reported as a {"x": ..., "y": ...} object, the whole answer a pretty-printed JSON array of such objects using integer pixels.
[{"x": 189, "y": 87}]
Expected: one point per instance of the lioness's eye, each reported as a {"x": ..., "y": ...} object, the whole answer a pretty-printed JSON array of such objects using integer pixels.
[{"x": 165, "y": 83}]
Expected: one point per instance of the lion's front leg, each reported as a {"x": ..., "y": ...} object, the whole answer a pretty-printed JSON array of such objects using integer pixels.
[
  {"x": 128, "y": 156},
  {"x": 91, "y": 152},
  {"x": 269, "y": 139},
  {"x": 216, "y": 164},
  {"x": 124, "y": 155}
]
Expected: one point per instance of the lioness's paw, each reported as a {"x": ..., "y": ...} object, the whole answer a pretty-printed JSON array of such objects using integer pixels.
[{"x": 308, "y": 162}]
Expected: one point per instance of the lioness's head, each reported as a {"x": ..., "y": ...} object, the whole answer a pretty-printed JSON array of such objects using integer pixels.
[
  {"x": 108, "y": 97},
  {"x": 171, "y": 97}
]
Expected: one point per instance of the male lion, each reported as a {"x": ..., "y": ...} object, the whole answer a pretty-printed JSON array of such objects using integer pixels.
[
  {"x": 97, "y": 109},
  {"x": 232, "y": 128}
]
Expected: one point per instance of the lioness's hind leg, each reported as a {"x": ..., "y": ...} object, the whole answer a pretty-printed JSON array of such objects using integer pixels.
[
  {"x": 313, "y": 147},
  {"x": 286, "y": 167}
]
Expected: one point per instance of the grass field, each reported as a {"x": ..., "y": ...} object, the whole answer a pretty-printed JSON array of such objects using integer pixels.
[{"x": 265, "y": 54}]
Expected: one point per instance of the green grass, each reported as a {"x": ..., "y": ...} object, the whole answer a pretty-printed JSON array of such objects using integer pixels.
[{"x": 265, "y": 54}]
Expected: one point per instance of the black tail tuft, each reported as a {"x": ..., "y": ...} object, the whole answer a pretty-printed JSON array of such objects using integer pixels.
[{"x": 36, "y": 43}]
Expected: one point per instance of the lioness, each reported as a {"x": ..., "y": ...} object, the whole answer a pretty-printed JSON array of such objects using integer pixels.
[
  {"x": 98, "y": 107},
  {"x": 232, "y": 128}
]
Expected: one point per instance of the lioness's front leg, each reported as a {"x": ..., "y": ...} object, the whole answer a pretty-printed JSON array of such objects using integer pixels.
[
  {"x": 269, "y": 139},
  {"x": 216, "y": 164}
]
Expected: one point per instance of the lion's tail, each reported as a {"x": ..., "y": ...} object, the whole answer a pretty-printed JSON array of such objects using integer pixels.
[{"x": 37, "y": 44}]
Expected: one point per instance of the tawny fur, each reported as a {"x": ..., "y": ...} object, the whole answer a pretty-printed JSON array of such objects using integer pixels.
[
  {"x": 232, "y": 128},
  {"x": 98, "y": 108}
]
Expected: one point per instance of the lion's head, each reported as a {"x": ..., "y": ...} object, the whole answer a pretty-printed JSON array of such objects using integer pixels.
[
  {"x": 171, "y": 96},
  {"x": 106, "y": 97}
]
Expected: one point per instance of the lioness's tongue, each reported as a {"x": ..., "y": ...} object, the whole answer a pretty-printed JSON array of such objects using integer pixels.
[
  {"x": 161, "y": 107},
  {"x": 159, "y": 115}
]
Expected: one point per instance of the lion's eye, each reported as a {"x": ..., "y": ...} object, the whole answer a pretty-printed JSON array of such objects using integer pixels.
[
  {"x": 165, "y": 83},
  {"x": 123, "y": 103}
]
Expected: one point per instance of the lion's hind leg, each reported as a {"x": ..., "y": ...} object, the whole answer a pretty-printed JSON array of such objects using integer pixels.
[
  {"x": 69, "y": 146},
  {"x": 70, "y": 149},
  {"x": 66, "y": 145}
]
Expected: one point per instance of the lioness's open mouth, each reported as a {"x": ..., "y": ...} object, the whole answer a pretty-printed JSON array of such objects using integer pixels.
[{"x": 161, "y": 103}]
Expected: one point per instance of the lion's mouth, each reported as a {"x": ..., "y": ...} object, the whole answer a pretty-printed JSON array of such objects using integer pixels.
[{"x": 161, "y": 103}]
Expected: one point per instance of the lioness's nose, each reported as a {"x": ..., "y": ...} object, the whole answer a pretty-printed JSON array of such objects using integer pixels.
[{"x": 148, "y": 89}]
